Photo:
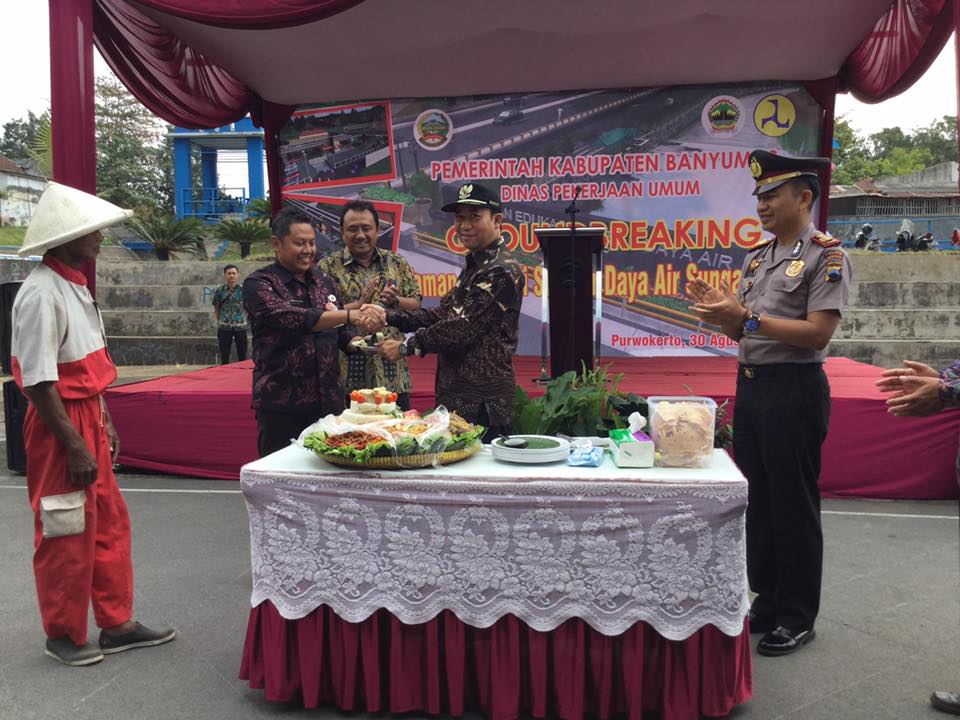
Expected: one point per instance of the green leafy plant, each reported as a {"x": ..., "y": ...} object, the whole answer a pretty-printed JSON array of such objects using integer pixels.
[
  {"x": 259, "y": 208},
  {"x": 243, "y": 232},
  {"x": 723, "y": 427},
  {"x": 588, "y": 403},
  {"x": 723, "y": 434},
  {"x": 167, "y": 234}
]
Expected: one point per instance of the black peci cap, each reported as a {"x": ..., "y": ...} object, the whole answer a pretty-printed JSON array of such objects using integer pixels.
[{"x": 475, "y": 194}]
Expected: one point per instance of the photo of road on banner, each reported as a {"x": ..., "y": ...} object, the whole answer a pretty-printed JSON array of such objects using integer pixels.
[{"x": 662, "y": 170}]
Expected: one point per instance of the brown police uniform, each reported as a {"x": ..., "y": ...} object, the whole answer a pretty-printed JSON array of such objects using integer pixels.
[{"x": 780, "y": 422}]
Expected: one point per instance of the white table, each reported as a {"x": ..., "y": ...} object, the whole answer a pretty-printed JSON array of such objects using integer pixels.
[{"x": 483, "y": 538}]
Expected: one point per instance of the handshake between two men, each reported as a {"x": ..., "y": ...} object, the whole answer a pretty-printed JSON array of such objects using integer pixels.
[{"x": 371, "y": 319}]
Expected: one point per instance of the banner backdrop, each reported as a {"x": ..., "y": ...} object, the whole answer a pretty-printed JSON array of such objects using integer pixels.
[{"x": 662, "y": 170}]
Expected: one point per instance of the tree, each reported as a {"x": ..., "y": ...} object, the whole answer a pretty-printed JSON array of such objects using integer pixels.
[
  {"x": 243, "y": 232},
  {"x": 167, "y": 234},
  {"x": 132, "y": 154},
  {"x": 21, "y": 134},
  {"x": 939, "y": 138},
  {"x": 891, "y": 151}
]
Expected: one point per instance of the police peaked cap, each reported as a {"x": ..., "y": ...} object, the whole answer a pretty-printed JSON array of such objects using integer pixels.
[{"x": 770, "y": 171}]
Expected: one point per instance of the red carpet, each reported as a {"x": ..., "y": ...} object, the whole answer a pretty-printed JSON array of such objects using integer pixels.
[{"x": 201, "y": 424}]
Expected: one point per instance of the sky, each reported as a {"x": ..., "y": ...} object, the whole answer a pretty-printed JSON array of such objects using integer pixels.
[{"x": 26, "y": 85}]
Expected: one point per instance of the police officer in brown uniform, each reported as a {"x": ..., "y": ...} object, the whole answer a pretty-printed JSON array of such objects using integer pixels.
[{"x": 787, "y": 307}]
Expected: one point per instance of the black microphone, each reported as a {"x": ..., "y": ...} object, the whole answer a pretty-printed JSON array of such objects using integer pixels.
[{"x": 572, "y": 207}]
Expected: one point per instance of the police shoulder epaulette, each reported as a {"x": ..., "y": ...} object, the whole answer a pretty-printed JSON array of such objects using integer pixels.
[
  {"x": 762, "y": 244},
  {"x": 825, "y": 240}
]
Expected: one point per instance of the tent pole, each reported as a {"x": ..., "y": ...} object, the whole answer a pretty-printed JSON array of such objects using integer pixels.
[{"x": 72, "y": 100}]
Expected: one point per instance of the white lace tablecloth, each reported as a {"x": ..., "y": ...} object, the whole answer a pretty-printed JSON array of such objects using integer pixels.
[{"x": 484, "y": 538}]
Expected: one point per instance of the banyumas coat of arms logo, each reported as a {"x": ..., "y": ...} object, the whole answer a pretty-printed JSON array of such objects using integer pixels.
[
  {"x": 722, "y": 116},
  {"x": 433, "y": 129}
]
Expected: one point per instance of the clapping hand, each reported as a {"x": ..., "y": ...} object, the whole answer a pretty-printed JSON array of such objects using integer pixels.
[
  {"x": 715, "y": 306},
  {"x": 890, "y": 379},
  {"x": 369, "y": 290},
  {"x": 370, "y": 318},
  {"x": 915, "y": 388},
  {"x": 389, "y": 295}
]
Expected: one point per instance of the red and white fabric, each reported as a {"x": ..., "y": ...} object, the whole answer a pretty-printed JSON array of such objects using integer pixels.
[
  {"x": 561, "y": 591},
  {"x": 58, "y": 334}
]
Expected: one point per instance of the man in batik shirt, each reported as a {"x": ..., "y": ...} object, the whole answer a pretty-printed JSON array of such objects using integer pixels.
[
  {"x": 368, "y": 274},
  {"x": 474, "y": 330},
  {"x": 299, "y": 326}
]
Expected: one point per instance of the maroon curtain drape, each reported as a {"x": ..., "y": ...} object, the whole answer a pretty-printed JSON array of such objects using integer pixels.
[
  {"x": 898, "y": 50},
  {"x": 251, "y": 13},
  {"x": 169, "y": 77}
]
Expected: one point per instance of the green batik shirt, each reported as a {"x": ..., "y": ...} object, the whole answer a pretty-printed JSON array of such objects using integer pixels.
[{"x": 370, "y": 371}]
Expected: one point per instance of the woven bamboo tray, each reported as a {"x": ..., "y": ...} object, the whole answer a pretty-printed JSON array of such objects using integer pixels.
[{"x": 406, "y": 462}]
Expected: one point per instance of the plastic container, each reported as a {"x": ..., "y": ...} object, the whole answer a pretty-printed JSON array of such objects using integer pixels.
[{"x": 682, "y": 429}]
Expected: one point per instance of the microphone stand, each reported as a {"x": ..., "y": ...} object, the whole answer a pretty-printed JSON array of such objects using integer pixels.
[{"x": 571, "y": 280}]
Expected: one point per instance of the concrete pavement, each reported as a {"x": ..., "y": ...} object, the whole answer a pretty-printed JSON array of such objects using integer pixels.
[{"x": 887, "y": 634}]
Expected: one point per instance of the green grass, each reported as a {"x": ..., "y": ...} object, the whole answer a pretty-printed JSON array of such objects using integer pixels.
[{"x": 12, "y": 235}]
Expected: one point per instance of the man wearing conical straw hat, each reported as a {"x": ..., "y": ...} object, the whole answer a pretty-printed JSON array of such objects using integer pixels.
[{"x": 60, "y": 361}]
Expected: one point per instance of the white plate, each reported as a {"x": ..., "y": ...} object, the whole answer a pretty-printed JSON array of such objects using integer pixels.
[{"x": 531, "y": 455}]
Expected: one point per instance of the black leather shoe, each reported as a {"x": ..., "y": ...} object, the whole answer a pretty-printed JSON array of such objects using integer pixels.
[
  {"x": 784, "y": 641},
  {"x": 761, "y": 623},
  {"x": 948, "y": 702}
]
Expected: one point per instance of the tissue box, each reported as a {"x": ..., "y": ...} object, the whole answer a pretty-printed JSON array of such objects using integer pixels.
[
  {"x": 631, "y": 449},
  {"x": 682, "y": 429}
]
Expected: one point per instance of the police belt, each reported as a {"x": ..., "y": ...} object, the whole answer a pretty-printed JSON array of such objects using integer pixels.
[{"x": 754, "y": 372}]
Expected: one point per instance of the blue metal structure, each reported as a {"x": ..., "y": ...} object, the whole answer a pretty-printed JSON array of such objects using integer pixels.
[{"x": 207, "y": 202}]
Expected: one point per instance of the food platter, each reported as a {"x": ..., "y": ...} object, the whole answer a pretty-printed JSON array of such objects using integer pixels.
[
  {"x": 405, "y": 462},
  {"x": 373, "y": 433}
]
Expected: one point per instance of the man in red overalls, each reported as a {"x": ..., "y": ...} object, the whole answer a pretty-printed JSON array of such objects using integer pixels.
[{"x": 60, "y": 360}]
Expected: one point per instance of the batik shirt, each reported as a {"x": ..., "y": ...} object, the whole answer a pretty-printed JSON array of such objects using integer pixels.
[
  {"x": 370, "y": 371},
  {"x": 230, "y": 303},
  {"x": 950, "y": 385},
  {"x": 474, "y": 333},
  {"x": 295, "y": 369}
]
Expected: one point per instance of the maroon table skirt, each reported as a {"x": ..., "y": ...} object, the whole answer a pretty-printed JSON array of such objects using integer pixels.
[{"x": 506, "y": 671}]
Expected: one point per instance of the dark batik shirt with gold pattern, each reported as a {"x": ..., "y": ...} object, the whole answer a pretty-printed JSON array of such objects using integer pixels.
[
  {"x": 370, "y": 371},
  {"x": 474, "y": 334},
  {"x": 295, "y": 369}
]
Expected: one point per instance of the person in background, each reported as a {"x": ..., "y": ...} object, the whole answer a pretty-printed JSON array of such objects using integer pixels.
[
  {"x": 231, "y": 322},
  {"x": 60, "y": 361},
  {"x": 369, "y": 274}
]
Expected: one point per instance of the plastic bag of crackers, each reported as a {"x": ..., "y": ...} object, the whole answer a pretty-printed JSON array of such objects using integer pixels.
[{"x": 682, "y": 430}]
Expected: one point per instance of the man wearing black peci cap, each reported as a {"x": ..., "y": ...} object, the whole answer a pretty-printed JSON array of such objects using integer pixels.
[
  {"x": 474, "y": 330},
  {"x": 787, "y": 307}
]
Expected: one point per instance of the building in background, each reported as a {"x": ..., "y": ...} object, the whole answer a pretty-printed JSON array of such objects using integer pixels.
[
  {"x": 20, "y": 192},
  {"x": 928, "y": 200}
]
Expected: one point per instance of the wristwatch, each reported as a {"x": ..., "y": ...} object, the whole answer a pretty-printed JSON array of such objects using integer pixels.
[
  {"x": 752, "y": 323},
  {"x": 405, "y": 348}
]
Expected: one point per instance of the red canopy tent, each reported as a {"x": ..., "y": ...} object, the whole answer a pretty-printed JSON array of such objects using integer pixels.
[{"x": 204, "y": 63}]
